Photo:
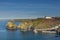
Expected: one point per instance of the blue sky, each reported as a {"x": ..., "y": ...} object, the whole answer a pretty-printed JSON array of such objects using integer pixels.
[{"x": 29, "y": 8}]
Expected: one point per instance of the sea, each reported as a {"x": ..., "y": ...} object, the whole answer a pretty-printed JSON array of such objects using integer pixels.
[{"x": 18, "y": 35}]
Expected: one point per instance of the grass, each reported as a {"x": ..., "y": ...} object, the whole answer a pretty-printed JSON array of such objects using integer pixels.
[{"x": 41, "y": 23}]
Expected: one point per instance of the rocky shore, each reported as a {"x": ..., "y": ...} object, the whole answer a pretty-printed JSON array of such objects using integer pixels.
[
  {"x": 39, "y": 23},
  {"x": 11, "y": 26}
]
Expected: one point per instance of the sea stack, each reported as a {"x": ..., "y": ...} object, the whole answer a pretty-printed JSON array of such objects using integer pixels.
[{"x": 11, "y": 26}]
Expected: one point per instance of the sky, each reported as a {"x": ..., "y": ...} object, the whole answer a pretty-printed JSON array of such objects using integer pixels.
[{"x": 10, "y": 9}]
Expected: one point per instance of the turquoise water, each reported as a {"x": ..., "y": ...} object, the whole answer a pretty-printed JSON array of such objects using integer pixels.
[{"x": 17, "y": 35}]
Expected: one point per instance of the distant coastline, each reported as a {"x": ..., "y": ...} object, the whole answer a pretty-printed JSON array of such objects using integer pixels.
[{"x": 39, "y": 23}]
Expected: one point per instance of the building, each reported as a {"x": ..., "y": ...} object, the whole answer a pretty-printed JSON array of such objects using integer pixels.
[{"x": 47, "y": 17}]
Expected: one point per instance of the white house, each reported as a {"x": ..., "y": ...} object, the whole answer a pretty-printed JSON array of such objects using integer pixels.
[{"x": 47, "y": 17}]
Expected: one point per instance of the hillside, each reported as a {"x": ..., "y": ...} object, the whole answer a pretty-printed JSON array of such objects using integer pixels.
[{"x": 39, "y": 23}]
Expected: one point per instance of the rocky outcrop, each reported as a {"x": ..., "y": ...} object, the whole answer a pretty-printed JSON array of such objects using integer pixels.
[
  {"x": 40, "y": 23},
  {"x": 11, "y": 26},
  {"x": 25, "y": 25},
  {"x": 58, "y": 31}
]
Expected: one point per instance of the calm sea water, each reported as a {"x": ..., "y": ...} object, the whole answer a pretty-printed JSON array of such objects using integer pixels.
[{"x": 17, "y": 35}]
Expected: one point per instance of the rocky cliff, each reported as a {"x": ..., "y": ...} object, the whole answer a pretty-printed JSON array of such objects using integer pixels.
[{"x": 40, "y": 23}]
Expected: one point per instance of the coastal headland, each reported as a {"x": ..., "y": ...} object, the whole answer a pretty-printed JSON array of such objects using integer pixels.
[{"x": 38, "y": 24}]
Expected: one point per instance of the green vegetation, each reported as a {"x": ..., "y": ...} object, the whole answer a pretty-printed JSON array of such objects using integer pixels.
[{"x": 40, "y": 23}]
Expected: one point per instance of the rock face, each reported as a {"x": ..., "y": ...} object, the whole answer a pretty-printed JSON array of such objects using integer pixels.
[
  {"x": 39, "y": 23},
  {"x": 58, "y": 31},
  {"x": 11, "y": 26},
  {"x": 25, "y": 26}
]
